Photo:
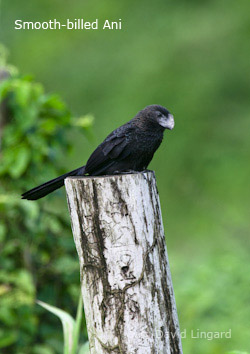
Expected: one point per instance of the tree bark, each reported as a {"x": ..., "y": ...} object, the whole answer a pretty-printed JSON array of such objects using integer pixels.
[{"x": 126, "y": 282}]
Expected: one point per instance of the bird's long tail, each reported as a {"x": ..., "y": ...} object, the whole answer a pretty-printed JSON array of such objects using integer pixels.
[{"x": 50, "y": 186}]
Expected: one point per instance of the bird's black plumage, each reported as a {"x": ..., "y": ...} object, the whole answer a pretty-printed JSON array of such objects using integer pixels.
[{"x": 130, "y": 147}]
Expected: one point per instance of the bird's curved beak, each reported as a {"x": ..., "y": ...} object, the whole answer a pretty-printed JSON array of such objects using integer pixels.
[{"x": 167, "y": 122}]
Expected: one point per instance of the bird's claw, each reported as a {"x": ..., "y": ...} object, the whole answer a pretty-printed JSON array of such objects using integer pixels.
[{"x": 128, "y": 172}]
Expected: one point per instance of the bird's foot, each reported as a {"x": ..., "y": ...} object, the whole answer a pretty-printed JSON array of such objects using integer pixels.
[
  {"x": 128, "y": 172},
  {"x": 145, "y": 171}
]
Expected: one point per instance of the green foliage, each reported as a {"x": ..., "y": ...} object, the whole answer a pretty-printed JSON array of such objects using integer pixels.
[
  {"x": 71, "y": 327},
  {"x": 37, "y": 252}
]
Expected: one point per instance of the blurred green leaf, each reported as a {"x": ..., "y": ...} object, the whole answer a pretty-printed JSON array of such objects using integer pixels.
[
  {"x": 68, "y": 325},
  {"x": 6, "y": 341},
  {"x": 71, "y": 328},
  {"x": 3, "y": 231},
  {"x": 84, "y": 349},
  {"x": 20, "y": 161},
  {"x": 42, "y": 349},
  {"x": 84, "y": 121},
  {"x": 76, "y": 334}
]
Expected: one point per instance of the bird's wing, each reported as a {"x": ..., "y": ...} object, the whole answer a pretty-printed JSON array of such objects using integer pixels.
[{"x": 115, "y": 146}]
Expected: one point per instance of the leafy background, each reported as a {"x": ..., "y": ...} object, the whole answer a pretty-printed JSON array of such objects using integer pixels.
[{"x": 190, "y": 56}]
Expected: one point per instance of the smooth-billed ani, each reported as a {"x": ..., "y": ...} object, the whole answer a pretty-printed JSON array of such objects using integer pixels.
[{"x": 129, "y": 148}]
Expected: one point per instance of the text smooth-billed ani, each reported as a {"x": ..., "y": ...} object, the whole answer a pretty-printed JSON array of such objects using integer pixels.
[{"x": 130, "y": 147}]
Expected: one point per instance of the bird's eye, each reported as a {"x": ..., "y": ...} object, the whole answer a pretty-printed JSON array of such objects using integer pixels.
[{"x": 159, "y": 114}]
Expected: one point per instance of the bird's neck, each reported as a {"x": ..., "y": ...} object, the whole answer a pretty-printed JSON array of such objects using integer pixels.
[{"x": 146, "y": 125}]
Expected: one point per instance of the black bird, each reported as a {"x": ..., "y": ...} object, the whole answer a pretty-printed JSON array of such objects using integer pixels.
[{"x": 129, "y": 148}]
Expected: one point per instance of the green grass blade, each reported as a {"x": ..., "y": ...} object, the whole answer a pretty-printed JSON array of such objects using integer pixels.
[
  {"x": 68, "y": 324},
  {"x": 77, "y": 326}
]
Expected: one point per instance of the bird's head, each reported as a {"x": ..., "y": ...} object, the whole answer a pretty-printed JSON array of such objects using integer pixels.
[{"x": 158, "y": 115}]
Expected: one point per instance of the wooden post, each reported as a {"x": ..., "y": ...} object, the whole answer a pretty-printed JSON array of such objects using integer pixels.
[{"x": 126, "y": 282}]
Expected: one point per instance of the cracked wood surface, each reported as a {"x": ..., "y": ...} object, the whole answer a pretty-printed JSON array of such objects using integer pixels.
[{"x": 126, "y": 282}]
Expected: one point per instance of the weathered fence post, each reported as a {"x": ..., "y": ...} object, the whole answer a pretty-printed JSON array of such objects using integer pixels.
[{"x": 126, "y": 282}]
